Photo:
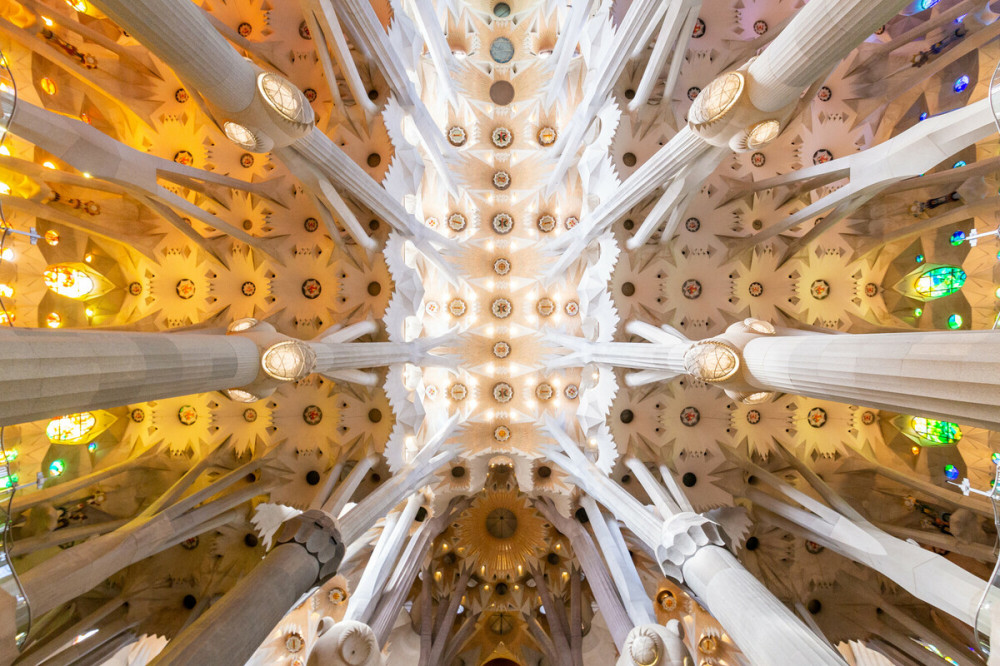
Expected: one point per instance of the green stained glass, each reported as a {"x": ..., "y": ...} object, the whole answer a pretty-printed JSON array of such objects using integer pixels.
[
  {"x": 939, "y": 282},
  {"x": 938, "y": 433}
]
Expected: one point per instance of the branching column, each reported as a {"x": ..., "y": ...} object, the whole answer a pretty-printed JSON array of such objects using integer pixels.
[
  {"x": 690, "y": 549},
  {"x": 309, "y": 551},
  {"x": 948, "y": 375},
  {"x": 50, "y": 373}
]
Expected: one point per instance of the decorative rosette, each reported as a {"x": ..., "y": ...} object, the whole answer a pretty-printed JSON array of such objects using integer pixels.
[
  {"x": 501, "y": 266},
  {"x": 501, "y": 308},
  {"x": 546, "y": 223},
  {"x": 503, "y": 223}
]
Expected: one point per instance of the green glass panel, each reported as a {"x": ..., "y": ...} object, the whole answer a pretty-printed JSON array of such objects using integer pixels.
[
  {"x": 938, "y": 433},
  {"x": 939, "y": 282}
]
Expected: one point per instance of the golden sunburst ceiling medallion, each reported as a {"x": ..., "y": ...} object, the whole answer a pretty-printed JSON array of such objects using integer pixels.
[{"x": 501, "y": 533}]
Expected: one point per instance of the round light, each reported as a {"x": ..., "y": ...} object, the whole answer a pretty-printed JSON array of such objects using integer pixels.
[
  {"x": 240, "y": 135},
  {"x": 711, "y": 361},
  {"x": 56, "y": 468},
  {"x": 244, "y": 324},
  {"x": 239, "y": 395},
  {"x": 957, "y": 238},
  {"x": 919, "y": 258},
  {"x": 955, "y": 321},
  {"x": 715, "y": 100},
  {"x": 918, "y": 312},
  {"x": 284, "y": 97},
  {"x": 763, "y": 133},
  {"x": 288, "y": 360}
]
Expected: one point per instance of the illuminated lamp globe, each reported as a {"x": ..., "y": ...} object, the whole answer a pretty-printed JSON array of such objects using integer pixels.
[
  {"x": 717, "y": 99},
  {"x": 241, "y": 325},
  {"x": 759, "y": 326},
  {"x": 239, "y": 395},
  {"x": 763, "y": 133},
  {"x": 240, "y": 135},
  {"x": 289, "y": 360},
  {"x": 711, "y": 361},
  {"x": 285, "y": 98}
]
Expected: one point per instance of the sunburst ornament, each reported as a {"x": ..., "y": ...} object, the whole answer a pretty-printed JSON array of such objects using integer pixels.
[{"x": 500, "y": 531}]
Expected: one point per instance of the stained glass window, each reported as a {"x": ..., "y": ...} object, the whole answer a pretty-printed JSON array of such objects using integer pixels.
[
  {"x": 939, "y": 282},
  {"x": 938, "y": 433},
  {"x": 67, "y": 429},
  {"x": 68, "y": 281}
]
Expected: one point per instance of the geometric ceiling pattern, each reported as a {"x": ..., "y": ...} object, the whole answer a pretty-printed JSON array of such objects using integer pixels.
[{"x": 471, "y": 332}]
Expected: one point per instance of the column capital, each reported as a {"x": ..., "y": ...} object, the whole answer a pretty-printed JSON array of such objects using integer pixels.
[
  {"x": 653, "y": 645},
  {"x": 683, "y": 535},
  {"x": 316, "y": 531}
]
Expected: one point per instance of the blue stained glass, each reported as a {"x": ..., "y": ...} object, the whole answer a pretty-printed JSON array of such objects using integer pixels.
[
  {"x": 502, "y": 50},
  {"x": 927, "y": 4},
  {"x": 919, "y": 258},
  {"x": 941, "y": 433},
  {"x": 923, "y": 116},
  {"x": 961, "y": 83},
  {"x": 960, "y": 163},
  {"x": 939, "y": 282},
  {"x": 957, "y": 238},
  {"x": 955, "y": 321},
  {"x": 951, "y": 472},
  {"x": 995, "y": 458}
]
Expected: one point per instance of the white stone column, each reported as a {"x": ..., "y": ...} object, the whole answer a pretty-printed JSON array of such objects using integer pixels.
[
  {"x": 950, "y": 375},
  {"x": 816, "y": 39},
  {"x": 689, "y": 549},
  {"x": 181, "y": 36},
  {"x": 53, "y": 372},
  {"x": 309, "y": 551}
]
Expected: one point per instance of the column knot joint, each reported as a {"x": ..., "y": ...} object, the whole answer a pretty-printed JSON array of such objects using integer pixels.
[
  {"x": 683, "y": 535},
  {"x": 318, "y": 532}
]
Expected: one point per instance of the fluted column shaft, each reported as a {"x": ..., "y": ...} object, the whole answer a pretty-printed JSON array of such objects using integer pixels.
[
  {"x": 231, "y": 630},
  {"x": 51, "y": 373},
  {"x": 169, "y": 28},
  {"x": 763, "y": 628},
  {"x": 949, "y": 375},
  {"x": 825, "y": 32},
  {"x": 352, "y": 355}
]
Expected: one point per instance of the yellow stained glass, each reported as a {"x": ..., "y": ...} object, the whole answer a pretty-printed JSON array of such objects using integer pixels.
[
  {"x": 68, "y": 281},
  {"x": 68, "y": 429}
]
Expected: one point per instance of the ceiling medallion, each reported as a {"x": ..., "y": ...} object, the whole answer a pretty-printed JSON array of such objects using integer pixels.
[
  {"x": 871, "y": 289},
  {"x": 135, "y": 288},
  {"x": 501, "y": 180},
  {"x": 457, "y": 136},
  {"x": 502, "y": 137},
  {"x": 432, "y": 307},
  {"x": 456, "y": 222},
  {"x": 824, "y": 94},
  {"x": 312, "y": 415},
  {"x": 187, "y": 415},
  {"x": 691, "y": 289},
  {"x": 294, "y": 642},
  {"x": 248, "y": 288},
  {"x": 760, "y": 27},
  {"x": 501, "y": 433},
  {"x": 501, "y": 266},
  {"x": 867, "y": 417},
  {"x": 501, "y": 308},
  {"x": 311, "y": 224},
  {"x": 458, "y": 392},
  {"x": 503, "y": 223},
  {"x": 753, "y": 417},
  {"x": 756, "y": 289},
  {"x": 692, "y": 224},
  {"x": 138, "y": 415},
  {"x": 822, "y": 156},
  {"x": 819, "y": 289},
  {"x": 457, "y": 307},
  {"x": 503, "y": 392},
  {"x": 571, "y": 391},
  {"x": 699, "y": 29},
  {"x": 546, "y": 223},
  {"x": 572, "y": 308},
  {"x": 185, "y": 288},
  {"x": 249, "y": 414},
  {"x": 501, "y": 349},
  {"x": 571, "y": 221},
  {"x": 547, "y": 136},
  {"x": 758, "y": 159},
  {"x": 544, "y": 391},
  {"x": 690, "y": 416},
  {"x": 545, "y": 306},
  {"x": 816, "y": 417},
  {"x": 311, "y": 288}
]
